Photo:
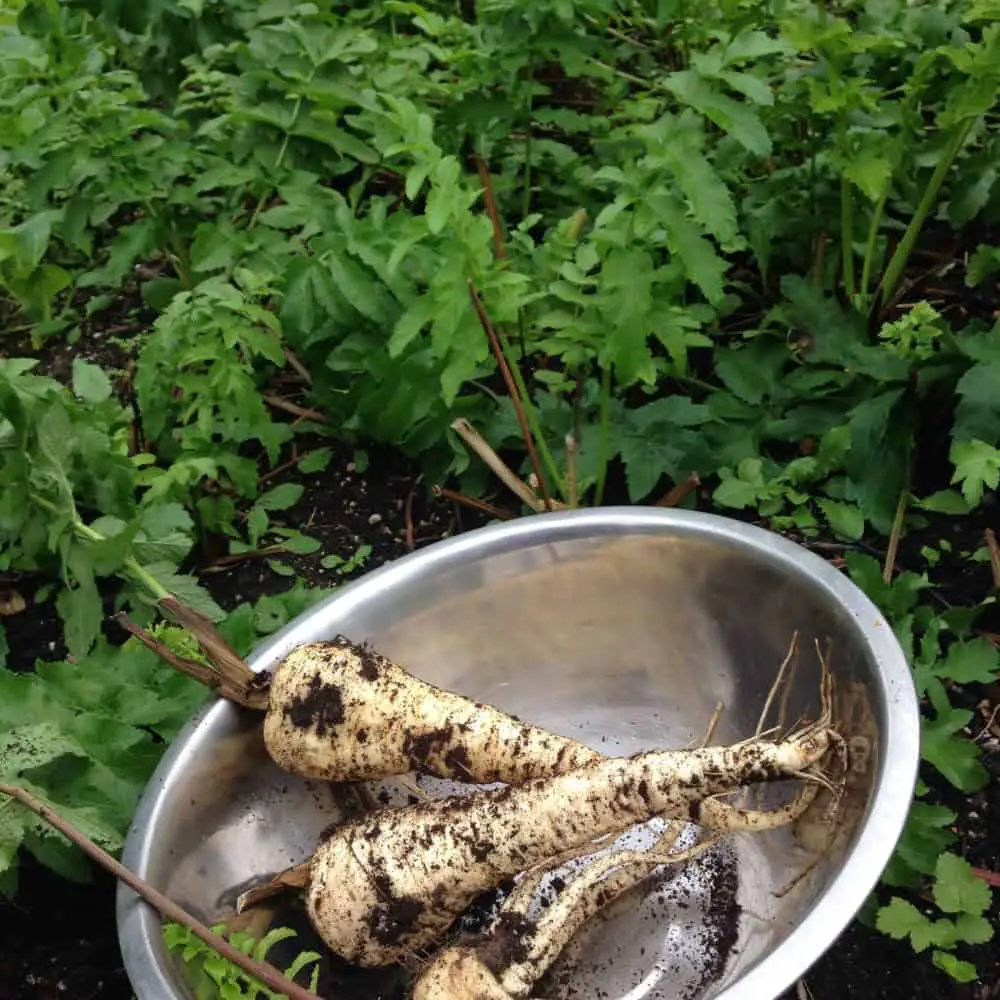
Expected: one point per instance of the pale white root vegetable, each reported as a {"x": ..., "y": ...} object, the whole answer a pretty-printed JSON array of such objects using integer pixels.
[
  {"x": 342, "y": 712},
  {"x": 383, "y": 887},
  {"x": 339, "y": 711},
  {"x": 508, "y": 960}
]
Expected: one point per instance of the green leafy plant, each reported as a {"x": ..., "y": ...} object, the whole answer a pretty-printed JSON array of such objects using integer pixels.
[
  {"x": 86, "y": 735},
  {"x": 215, "y": 978}
]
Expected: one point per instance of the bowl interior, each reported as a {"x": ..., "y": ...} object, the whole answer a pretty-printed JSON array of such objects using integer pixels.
[{"x": 626, "y": 640}]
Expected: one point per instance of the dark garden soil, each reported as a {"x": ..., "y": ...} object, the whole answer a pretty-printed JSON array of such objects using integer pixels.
[{"x": 59, "y": 939}]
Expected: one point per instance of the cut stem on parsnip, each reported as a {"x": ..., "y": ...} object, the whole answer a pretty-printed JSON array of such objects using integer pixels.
[{"x": 339, "y": 711}]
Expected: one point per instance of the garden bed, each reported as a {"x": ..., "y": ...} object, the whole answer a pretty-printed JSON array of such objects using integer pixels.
[{"x": 289, "y": 273}]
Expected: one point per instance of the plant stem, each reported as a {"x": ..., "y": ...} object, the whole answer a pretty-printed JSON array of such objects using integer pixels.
[
  {"x": 519, "y": 397},
  {"x": 866, "y": 267},
  {"x": 167, "y": 908},
  {"x": 900, "y": 258},
  {"x": 526, "y": 196},
  {"x": 895, "y": 535},
  {"x": 88, "y": 534},
  {"x": 605, "y": 436},
  {"x": 281, "y": 154},
  {"x": 847, "y": 234}
]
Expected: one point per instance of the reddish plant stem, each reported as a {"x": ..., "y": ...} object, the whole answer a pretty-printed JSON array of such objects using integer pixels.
[
  {"x": 515, "y": 396},
  {"x": 491, "y": 208},
  {"x": 266, "y": 973},
  {"x": 484, "y": 508},
  {"x": 674, "y": 496}
]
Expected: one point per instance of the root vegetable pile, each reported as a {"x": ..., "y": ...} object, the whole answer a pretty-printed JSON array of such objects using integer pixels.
[{"x": 389, "y": 886}]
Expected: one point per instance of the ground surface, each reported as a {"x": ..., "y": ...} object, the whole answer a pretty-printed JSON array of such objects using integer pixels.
[{"x": 59, "y": 939}]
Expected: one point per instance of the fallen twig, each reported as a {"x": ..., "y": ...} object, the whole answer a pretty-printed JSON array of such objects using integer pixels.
[
  {"x": 297, "y": 365},
  {"x": 280, "y": 403},
  {"x": 481, "y": 447},
  {"x": 484, "y": 508},
  {"x": 224, "y": 563},
  {"x": 167, "y": 908}
]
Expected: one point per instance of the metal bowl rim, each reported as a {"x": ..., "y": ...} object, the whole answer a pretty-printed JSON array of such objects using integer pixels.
[{"x": 878, "y": 831}]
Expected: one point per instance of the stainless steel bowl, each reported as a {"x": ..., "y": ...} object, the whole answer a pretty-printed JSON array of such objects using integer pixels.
[{"x": 623, "y": 627}]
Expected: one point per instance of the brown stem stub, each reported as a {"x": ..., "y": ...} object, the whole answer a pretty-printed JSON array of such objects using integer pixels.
[
  {"x": 296, "y": 877},
  {"x": 231, "y": 679}
]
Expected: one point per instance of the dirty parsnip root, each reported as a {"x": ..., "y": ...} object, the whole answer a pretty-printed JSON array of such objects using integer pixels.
[
  {"x": 339, "y": 711},
  {"x": 384, "y": 887},
  {"x": 517, "y": 950},
  {"x": 513, "y": 955}
]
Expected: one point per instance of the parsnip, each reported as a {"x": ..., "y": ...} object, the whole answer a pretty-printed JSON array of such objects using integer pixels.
[
  {"x": 339, "y": 711},
  {"x": 513, "y": 955},
  {"x": 384, "y": 887},
  {"x": 342, "y": 712}
]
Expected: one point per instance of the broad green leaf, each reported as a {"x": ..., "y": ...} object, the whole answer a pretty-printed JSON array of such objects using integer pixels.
[
  {"x": 926, "y": 835},
  {"x": 945, "y": 502},
  {"x": 877, "y": 461},
  {"x": 956, "y": 757},
  {"x": 90, "y": 382},
  {"x": 957, "y": 889},
  {"x": 959, "y": 970},
  {"x": 81, "y": 611},
  {"x": 845, "y": 519},
  {"x": 27, "y": 747},
  {"x": 974, "y": 661},
  {"x": 281, "y": 497},
  {"x": 316, "y": 460}
]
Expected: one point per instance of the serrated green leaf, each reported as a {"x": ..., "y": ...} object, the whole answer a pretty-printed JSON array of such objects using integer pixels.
[
  {"x": 973, "y": 928},
  {"x": 185, "y": 588},
  {"x": 739, "y": 120},
  {"x": 281, "y": 497},
  {"x": 957, "y": 889},
  {"x": 900, "y": 919},
  {"x": 845, "y": 519},
  {"x": 973, "y": 661},
  {"x": 977, "y": 467},
  {"x": 80, "y": 609},
  {"x": 959, "y": 970},
  {"x": 315, "y": 461}
]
